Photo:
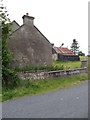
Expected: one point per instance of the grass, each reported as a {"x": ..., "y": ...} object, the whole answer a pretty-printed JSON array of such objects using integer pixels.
[
  {"x": 83, "y": 58},
  {"x": 31, "y": 87},
  {"x": 37, "y": 68},
  {"x": 70, "y": 64}
]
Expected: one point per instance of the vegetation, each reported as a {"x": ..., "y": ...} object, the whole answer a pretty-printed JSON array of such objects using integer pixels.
[
  {"x": 84, "y": 58},
  {"x": 74, "y": 46},
  {"x": 9, "y": 77},
  {"x": 68, "y": 64},
  {"x": 30, "y": 87},
  {"x": 80, "y": 53},
  {"x": 42, "y": 68}
]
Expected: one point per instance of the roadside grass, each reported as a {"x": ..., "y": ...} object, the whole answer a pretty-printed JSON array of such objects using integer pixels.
[{"x": 31, "y": 87}]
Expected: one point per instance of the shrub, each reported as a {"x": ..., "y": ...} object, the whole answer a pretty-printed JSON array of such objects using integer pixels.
[{"x": 9, "y": 77}]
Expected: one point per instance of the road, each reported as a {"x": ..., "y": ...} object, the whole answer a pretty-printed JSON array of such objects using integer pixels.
[{"x": 70, "y": 102}]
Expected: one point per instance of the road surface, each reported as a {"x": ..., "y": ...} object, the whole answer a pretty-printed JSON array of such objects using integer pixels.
[{"x": 70, "y": 102}]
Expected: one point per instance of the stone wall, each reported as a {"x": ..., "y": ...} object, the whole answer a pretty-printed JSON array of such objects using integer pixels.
[
  {"x": 33, "y": 75},
  {"x": 43, "y": 75},
  {"x": 63, "y": 73}
]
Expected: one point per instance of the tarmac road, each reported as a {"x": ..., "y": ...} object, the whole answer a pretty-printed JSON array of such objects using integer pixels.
[{"x": 70, "y": 102}]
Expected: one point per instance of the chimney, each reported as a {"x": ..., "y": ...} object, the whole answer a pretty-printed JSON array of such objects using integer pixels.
[{"x": 28, "y": 19}]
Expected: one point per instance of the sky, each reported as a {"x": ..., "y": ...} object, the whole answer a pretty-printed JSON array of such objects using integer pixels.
[{"x": 60, "y": 21}]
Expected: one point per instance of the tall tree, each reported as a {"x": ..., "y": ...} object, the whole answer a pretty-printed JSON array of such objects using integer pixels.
[{"x": 75, "y": 46}]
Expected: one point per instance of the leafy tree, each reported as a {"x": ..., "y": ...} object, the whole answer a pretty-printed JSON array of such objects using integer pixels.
[
  {"x": 80, "y": 53},
  {"x": 9, "y": 77},
  {"x": 75, "y": 46}
]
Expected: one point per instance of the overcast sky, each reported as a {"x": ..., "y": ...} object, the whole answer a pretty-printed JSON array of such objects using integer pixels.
[{"x": 60, "y": 21}]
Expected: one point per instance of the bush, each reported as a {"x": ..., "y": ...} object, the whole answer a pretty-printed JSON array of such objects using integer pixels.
[{"x": 9, "y": 77}]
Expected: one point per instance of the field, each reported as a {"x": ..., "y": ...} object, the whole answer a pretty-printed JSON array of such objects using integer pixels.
[{"x": 69, "y": 64}]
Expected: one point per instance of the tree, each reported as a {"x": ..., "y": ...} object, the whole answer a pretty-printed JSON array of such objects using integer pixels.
[
  {"x": 75, "y": 47},
  {"x": 9, "y": 77},
  {"x": 80, "y": 53}
]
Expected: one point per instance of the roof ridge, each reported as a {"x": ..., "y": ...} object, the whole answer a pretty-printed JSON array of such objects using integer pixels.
[
  {"x": 15, "y": 22},
  {"x": 42, "y": 34},
  {"x": 16, "y": 30}
]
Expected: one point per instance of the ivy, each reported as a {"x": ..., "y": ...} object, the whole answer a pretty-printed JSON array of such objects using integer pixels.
[{"x": 9, "y": 77}]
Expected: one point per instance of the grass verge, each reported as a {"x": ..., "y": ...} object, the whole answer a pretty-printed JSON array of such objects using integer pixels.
[{"x": 31, "y": 87}]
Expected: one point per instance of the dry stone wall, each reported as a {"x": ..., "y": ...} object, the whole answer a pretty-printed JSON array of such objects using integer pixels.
[{"x": 43, "y": 75}]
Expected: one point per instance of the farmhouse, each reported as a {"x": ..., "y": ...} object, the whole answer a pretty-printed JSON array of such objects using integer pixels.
[
  {"x": 63, "y": 53},
  {"x": 28, "y": 45}
]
